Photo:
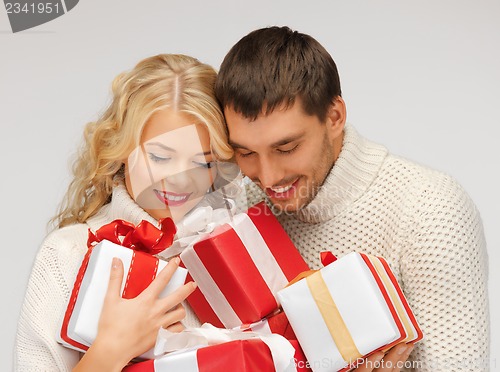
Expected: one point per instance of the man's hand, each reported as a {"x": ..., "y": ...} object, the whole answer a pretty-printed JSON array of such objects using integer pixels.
[{"x": 392, "y": 361}]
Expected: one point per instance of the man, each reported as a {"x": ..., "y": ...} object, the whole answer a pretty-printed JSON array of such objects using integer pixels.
[{"x": 332, "y": 189}]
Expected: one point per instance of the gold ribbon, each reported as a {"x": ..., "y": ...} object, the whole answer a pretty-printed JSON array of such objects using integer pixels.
[{"x": 332, "y": 318}]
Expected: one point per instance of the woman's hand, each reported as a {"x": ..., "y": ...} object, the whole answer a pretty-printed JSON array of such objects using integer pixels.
[
  {"x": 392, "y": 361},
  {"x": 128, "y": 327}
]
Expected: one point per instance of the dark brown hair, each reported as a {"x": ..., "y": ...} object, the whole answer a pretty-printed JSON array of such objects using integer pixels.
[{"x": 273, "y": 66}]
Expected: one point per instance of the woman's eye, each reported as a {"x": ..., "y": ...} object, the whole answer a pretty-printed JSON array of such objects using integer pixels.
[
  {"x": 208, "y": 165},
  {"x": 158, "y": 159}
]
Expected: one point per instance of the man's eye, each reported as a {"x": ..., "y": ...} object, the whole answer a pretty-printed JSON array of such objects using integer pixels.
[
  {"x": 158, "y": 159},
  {"x": 245, "y": 154},
  {"x": 288, "y": 151}
]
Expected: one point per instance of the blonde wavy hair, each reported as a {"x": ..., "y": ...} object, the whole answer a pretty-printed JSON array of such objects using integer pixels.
[{"x": 174, "y": 81}]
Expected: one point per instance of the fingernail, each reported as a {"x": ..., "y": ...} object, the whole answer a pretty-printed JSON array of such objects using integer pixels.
[
  {"x": 115, "y": 263},
  {"x": 378, "y": 357},
  {"x": 409, "y": 349},
  {"x": 194, "y": 285},
  {"x": 402, "y": 350},
  {"x": 177, "y": 260}
]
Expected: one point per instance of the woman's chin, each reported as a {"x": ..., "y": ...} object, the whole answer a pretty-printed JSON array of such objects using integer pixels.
[
  {"x": 158, "y": 214},
  {"x": 177, "y": 213}
]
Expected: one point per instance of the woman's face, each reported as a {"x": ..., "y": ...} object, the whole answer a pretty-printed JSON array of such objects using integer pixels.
[{"x": 172, "y": 169}]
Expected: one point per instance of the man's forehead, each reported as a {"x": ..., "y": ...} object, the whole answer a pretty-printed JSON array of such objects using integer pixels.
[{"x": 295, "y": 104}]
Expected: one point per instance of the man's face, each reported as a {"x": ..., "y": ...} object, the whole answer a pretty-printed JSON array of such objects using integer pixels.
[{"x": 287, "y": 153}]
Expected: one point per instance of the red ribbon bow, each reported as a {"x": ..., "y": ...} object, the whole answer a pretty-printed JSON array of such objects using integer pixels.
[
  {"x": 144, "y": 237},
  {"x": 327, "y": 257}
]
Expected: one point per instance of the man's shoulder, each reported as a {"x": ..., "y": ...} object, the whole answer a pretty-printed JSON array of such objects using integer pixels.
[
  {"x": 414, "y": 171},
  {"x": 425, "y": 183}
]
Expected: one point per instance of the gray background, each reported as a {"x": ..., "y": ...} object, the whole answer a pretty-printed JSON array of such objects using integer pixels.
[{"x": 420, "y": 77}]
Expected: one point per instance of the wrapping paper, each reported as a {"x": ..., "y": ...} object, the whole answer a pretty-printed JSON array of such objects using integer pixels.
[
  {"x": 281, "y": 350},
  {"x": 79, "y": 327},
  {"x": 354, "y": 307},
  {"x": 251, "y": 355},
  {"x": 276, "y": 323},
  {"x": 240, "y": 267}
]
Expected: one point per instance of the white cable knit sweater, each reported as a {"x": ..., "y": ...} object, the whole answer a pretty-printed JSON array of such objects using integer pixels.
[
  {"x": 51, "y": 282},
  {"x": 427, "y": 228},
  {"x": 420, "y": 220}
]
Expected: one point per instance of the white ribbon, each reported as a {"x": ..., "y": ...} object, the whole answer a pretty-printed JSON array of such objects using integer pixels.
[
  {"x": 260, "y": 253},
  {"x": 209, "y": 288},
  {"x": 281, "y": 350},
  {"x": 262, "y": 257},
  {"x": 261, "y": 327},
  {"x": 197, "y": 225}
]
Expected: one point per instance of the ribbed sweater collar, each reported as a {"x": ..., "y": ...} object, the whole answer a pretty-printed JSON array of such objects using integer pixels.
[
  {"x": 355, "y": 169},
  {"x": 122, "y": 207}
]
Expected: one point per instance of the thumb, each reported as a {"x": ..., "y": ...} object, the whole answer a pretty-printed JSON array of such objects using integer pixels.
[{"x": 115, "y": 279}]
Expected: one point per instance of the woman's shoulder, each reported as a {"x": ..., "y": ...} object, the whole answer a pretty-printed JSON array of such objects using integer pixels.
[
  {"x": 64, "y": 247},
  {"x": 66, "y": 236}
]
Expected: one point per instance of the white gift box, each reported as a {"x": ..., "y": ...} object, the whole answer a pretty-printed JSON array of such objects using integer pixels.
[
  {"x": 79, "y": 326},
  {"x": 348, "y": 310}
]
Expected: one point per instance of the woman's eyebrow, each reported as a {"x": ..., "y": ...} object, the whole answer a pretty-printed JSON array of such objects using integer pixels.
[{"x": 163, "y": 146}]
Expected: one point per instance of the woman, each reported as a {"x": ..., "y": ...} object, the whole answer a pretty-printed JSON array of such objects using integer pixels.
[{"x": 149, "y": 156}]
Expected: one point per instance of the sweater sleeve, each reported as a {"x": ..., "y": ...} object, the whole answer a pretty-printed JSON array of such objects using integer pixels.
[
  {"x": 444, "y": 275},
  {"x": 36, "y": 348}
]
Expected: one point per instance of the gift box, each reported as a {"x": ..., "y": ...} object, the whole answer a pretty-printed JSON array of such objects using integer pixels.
[
  {"x": 251, "y": 355},
  {"x": 276, "y": 323},
  {"x": 80, "y": 323},
  {"x": 348, "y": 310},
  {"x": 240, "y": 267}
]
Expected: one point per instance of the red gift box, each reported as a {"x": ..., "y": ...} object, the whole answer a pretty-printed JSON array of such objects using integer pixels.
[
  {"x": 240, "y": 267},
  {"x": 276, "y": 323},
  {"x": 243, "y": 355}
]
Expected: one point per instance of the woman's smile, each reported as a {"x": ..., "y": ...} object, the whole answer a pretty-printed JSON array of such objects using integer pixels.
[{"x": 172, "y": 199}]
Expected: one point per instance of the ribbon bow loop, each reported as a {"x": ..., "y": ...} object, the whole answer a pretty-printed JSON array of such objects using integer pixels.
[
  {"x": 144, "y": 237},
  {"x": 326, "y": 258}
]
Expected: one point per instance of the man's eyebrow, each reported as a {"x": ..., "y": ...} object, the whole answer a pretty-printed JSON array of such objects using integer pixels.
[
  {"x": 206, "y": 153},
  {"x": 278, "y": 143},
  {"x": 287, "y": 140},
  {"x": 235, "y": 145}
]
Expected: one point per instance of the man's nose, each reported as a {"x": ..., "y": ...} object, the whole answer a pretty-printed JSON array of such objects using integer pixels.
[{"x": 269, "y": 172}]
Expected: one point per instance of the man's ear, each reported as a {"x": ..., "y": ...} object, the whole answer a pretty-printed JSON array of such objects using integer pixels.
[{"x": 336, "y": 117}]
